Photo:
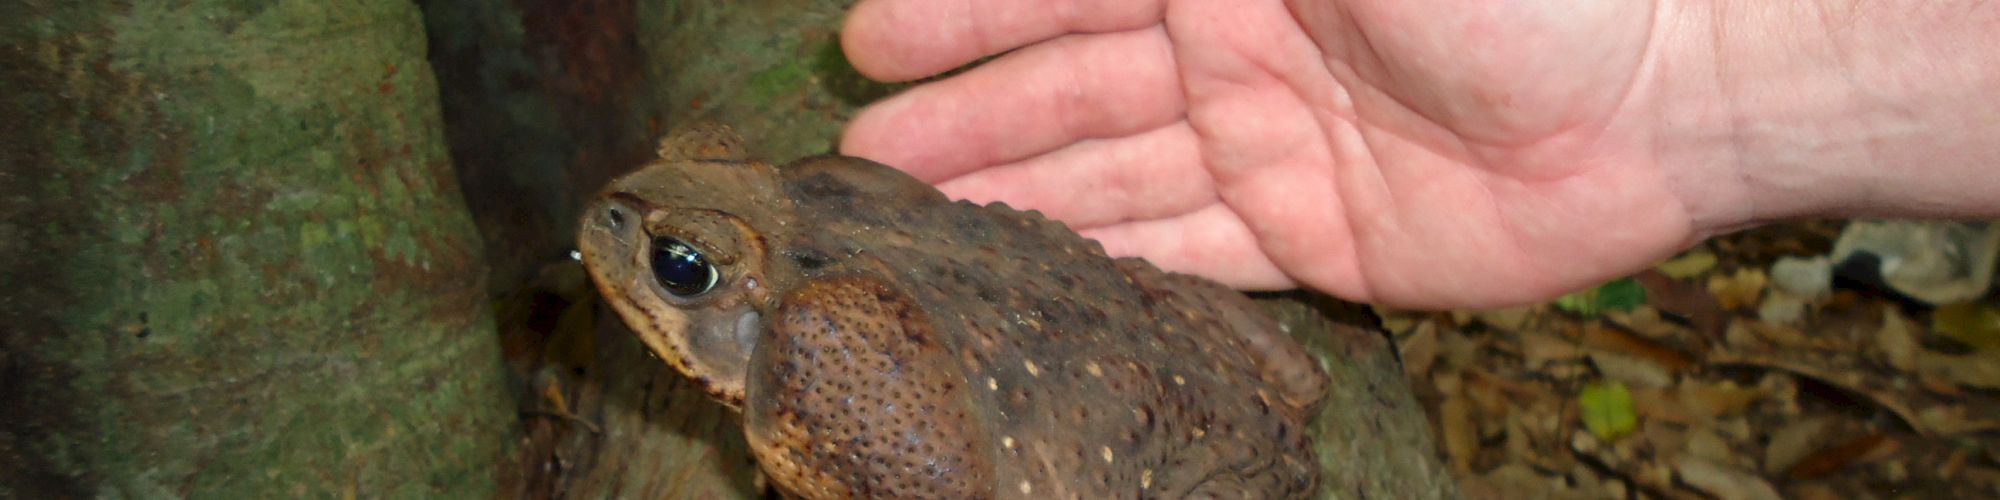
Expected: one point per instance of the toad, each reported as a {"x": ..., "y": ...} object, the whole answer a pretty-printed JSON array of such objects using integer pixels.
[{"x": 882, "y": 340}]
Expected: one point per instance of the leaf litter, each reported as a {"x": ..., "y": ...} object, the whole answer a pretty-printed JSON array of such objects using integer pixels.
[{"x": 1721, "y": 373}]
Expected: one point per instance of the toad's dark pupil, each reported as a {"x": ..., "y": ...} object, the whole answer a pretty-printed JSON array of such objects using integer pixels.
[{"x": 681, "y": 269}]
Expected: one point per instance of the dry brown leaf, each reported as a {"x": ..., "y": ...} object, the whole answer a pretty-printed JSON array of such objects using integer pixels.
[
  {"x": 1419, "y": 349},
  {"x": 1687, "y": 300},
  {"x": 1487, "y": 394},
  {"x": 1844, "y": 372},
  {"x": 1782, "y": 308},
  {"x": 1519, "y": 447},
  {"x": 1646, "y": 321},
  {"x": 1397, "y": 322},
  {"x": 1818, "y": 491},
  {"x": 1598, "y": 336},
  {"x": 1688, "y": 265},
  {"x": 1633, "y": 371},
  {"x": 1722, "y": 481},
  {"x": 1515, "y": 387},
  {"x": 1456, "y": 349},
  {"x": 1537, "y": 350},
  {"x": 1949, "y": 420},
  {"x": 1448, "y": 382},
  {"x": 1659, "y": 404},
  {"x": 1980, "y": 369},
  {"x": 1708, "y": 445},
  {"x": 1794, "y": 442},
  {"x": 1461, "y": 437},
  {"x": 1709, "y": 401},
  {"x": 1839, "y": 456},
  {"x": 1513, "y": 319},
  {"x": 1938, "y": 385},
  {"x": 1781, "y": 335},
  {"x": 1895, "y": 341},
  {"x": 1739, "y": 336},
  {"x": 1738, "y": 291},
  {"x": 1953, "y": 464}
]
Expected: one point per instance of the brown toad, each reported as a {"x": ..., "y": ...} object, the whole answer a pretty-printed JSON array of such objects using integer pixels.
[{"x": 883, "y": 341}]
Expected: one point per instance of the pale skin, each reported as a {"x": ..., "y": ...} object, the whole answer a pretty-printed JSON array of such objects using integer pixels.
[{"x": 1429, "y": 154}]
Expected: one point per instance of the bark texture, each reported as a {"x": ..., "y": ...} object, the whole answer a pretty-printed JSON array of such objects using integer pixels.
[{"x": 237, "y": 264}]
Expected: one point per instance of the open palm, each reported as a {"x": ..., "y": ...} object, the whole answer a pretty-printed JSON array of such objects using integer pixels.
[{"x": 1416, "y": 153}]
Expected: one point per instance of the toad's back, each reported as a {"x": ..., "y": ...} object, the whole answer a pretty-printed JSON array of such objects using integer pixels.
[{"x": 1053, "y": 370}]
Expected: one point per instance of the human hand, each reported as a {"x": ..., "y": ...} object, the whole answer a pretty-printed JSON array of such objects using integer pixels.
[{"x": 1413, "y": 153}]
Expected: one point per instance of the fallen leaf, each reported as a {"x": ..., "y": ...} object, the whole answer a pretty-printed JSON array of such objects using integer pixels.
[
  {"x": 1709, "y": 401},
  {"x": 1461, "y": 437},
  {"x": 1708, "y": 445},
  {"x": 1607, "y": 409},
  {"x": 1740, "y": 336},
  {"x": 1818, "y": 491},
  {"x": 1782, "y": 308},
  {"x": 1972, "y": 324},
  {"x": 1791, "y": 444},
  {"x": 1456, "y": 349},
  {"x": 1688, "y": 265},
  {"x": 1646, "y": 321},
  {"x": 1737, "y": 291},
  {"x": 1834, "y": 458},
  {"x": 1955, "y": 420},
  {"x": 1953, "y": 464},
  {"x": 1537, "y": 350},
  {"x": 1513, "y": 319},
  {"x": 1895, "y": 341},
  {"x": 1488, "y": 395},
  {"x": 1846, "y": 374},
  {"x": 1419, "y": 349},
  {"x": 1633, "y": 371},
  {"x": 1657, "y": 404},
  {"x": 1690, "y": 301},
  {"x": 1722, "y": 481},
  {"x": 1980, "y": 369},
  {"x": 1618, "y": 295},
  {"x": 1622, "y": 294},
  {"x": 1781, "y": 335},
  {"x": 1397, "y": 322},
  {"x": 1597, "y": 336}
]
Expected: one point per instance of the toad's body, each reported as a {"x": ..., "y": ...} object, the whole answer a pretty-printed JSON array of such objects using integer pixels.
[{"x": 883, "y": 341}]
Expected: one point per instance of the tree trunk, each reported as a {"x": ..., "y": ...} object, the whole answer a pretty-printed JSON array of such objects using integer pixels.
[{"x": 237, "y": 264}]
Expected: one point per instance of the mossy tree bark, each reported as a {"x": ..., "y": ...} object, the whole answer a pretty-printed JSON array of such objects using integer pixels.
[{"x": 236, "y": 261}]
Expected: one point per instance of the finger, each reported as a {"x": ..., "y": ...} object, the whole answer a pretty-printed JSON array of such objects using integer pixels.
[
  {"x": 1210, "y": 242},
  {"x": 1156, "y": 174},
  {"x": 906, "y": 39},
  {"x": 1024, "y": 104}
]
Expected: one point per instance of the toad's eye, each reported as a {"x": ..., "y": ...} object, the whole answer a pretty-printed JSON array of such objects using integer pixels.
[{"x": 681, "y": 269}]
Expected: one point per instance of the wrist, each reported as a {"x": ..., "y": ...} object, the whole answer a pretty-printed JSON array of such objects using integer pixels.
[{"x": 1830, "y": 108}]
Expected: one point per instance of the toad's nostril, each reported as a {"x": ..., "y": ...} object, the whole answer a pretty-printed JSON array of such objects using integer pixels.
[{"x": 614, "y": 217}]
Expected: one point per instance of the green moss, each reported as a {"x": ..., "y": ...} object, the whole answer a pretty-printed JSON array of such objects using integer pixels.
[{"x": 221, "y": 326}]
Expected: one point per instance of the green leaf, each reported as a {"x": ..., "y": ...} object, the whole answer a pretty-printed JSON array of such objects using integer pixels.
[
  {"x": 1607, "y": 410},
  {"x": 1972, "y": 324},
  {"x": 1622, "y": 294},
  {"x": 1582, "y": 303}
]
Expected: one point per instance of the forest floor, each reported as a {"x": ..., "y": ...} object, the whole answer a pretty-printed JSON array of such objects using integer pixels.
[{"x": 1698, "y": 379}]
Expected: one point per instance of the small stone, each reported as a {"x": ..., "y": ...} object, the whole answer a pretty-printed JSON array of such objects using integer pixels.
[{"x": 1804, "y": 277}]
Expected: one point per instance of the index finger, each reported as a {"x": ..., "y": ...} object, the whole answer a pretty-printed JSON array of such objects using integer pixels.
[{"x": 897, "y": 40}]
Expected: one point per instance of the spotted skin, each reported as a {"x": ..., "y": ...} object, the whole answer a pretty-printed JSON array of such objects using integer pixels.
[{"x": 883, "y": 341}]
